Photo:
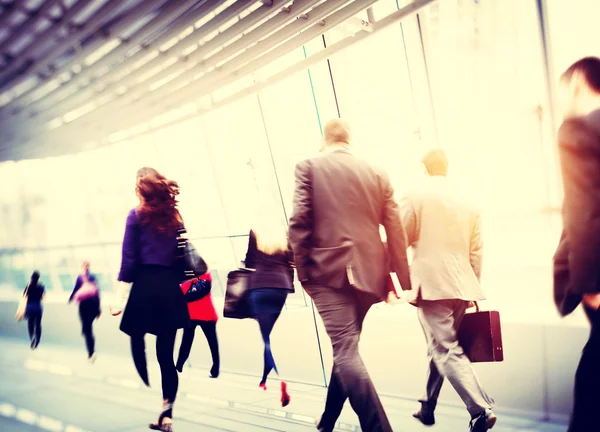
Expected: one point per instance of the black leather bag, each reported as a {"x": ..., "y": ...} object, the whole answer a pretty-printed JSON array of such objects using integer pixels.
[
  {"x": 198, "y": 289},
  {"x": 480, "y": 336},
  {"x": 190, "y": 263},
  {"x": 236, "y": 296}
]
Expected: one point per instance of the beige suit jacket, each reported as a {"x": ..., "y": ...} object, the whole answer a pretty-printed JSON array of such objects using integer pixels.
[{"x": 445, "y": 234}]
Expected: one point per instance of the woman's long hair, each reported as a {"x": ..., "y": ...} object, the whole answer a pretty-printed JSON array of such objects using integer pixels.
[
  {"x": 270, "y": 231},
  {"x": 158, "y": 203}
]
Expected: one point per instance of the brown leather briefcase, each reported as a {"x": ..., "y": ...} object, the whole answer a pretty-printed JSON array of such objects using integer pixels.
[{"x": 480, "y": 336}]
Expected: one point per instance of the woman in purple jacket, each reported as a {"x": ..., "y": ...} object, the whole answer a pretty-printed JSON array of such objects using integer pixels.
[{"x": 156, "y": 304}]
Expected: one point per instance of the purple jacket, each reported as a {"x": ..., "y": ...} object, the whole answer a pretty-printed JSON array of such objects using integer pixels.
[{"x": 142, "y": 246}]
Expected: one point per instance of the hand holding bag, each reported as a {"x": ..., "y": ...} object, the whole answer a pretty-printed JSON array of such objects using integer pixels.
[
  {"x": 87, "y": 290},
  {"x": 236, "y": 297},
  {"x": 480, "y": 336},
  {"x": 20, "y": 315}
]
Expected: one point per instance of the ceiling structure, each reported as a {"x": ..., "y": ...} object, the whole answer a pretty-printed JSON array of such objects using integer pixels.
[{"x": 76, "y": 74}]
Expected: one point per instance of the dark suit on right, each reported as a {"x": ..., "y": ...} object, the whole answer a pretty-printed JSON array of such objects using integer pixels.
[
  {"x": 577, "y": 259},
  {"x": 340, "y": 202}
]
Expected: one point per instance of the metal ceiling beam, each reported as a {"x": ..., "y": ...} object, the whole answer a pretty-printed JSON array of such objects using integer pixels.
[
  {"x": 251, "y": 39},
  {"x": 90, "y": 26},
  {"x": 9, "y": 11},
  {"x": 132, "y": 80},
  {"x": 26, "y": 26},
  {"x": 253, "y": 59},
  {"x": 64, "y": 137},
  {"x": 78, "y": 95},
  {"x": 75, "y": 99},
  {"x": 119, "y": 27}
]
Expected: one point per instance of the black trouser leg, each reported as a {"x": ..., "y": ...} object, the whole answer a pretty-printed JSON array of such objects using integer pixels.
[
  {"x": 88, "y": 334},
  {"x": 209, "y": 328},
  {"x": 186, "y": 345},
  {"x": 587, "y": 381},
  {"x": 138, "y": 352},
  {"x": 266, "y": 322},
  {"x": 38, "y": 329},
  {"x": 165, "y": 343},
  {"x": 31, "y": 327}
]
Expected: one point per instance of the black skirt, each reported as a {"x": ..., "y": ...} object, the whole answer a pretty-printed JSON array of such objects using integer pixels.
[{"x": 156, "y": 303}]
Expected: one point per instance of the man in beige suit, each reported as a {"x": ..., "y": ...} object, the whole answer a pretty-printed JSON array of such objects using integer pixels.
[{"x": 445, "y": 234}]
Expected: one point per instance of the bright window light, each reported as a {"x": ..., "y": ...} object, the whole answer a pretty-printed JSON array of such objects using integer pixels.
[{"x": 101, "y": 52}]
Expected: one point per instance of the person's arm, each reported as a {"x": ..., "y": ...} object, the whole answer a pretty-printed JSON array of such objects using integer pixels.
[
  {"x": 579, "y": 152},
  {"x": 129, "y": 251},
  {"x": 476, "y": 247},
  {"x": 250, "y": 260},
  {"x": 396, "y": 237},
  {"x": 129, "y": 258},
  {"x": 301, "y": 222},
  {"x": 78, "y": 284}
]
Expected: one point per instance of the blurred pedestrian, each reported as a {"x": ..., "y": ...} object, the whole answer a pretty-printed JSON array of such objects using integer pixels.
[
  {"x": 34, "y": 292},
  {"x": 87, "y": 294},
  {"x": 202, "y": 314},
  {"x": 270, "y": 254}
]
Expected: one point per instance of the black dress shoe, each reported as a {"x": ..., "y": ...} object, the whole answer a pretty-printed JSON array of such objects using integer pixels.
[
  {"x": 426, "y": 419},
  {"x": 483, "y": 422}
]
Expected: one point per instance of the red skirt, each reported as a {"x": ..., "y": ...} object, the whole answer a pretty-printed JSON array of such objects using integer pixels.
[{"x": 203, "y": 309}]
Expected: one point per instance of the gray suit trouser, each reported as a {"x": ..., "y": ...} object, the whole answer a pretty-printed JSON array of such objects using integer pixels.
[
  {"x": 440, "y": 320},
  {"x": 343, "y": 312}
]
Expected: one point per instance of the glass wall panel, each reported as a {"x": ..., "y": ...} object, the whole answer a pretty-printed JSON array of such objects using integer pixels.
[
  {"x": 568, "y": 45},
  {"x": 239, "y": 151},
  {"x": 10, "y": 206},
  {"x": 374, "y": 94},
  {"x": 183, "y": 154},
  {"x": 485, "y": 68}
]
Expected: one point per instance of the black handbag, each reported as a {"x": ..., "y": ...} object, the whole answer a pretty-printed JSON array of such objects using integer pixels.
[
  {"x": 191, "y": 263},
  {"x": 480, "y": 336},
  {"x": 198, "y": 289},
  {"x": 236, "y": 296}
]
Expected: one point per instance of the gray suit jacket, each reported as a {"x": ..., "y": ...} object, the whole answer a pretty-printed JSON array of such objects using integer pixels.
[
  {"x": 445, "y": 233},
  {"x": 340, "y": 201},
  {"x": 577, "y": 259}
]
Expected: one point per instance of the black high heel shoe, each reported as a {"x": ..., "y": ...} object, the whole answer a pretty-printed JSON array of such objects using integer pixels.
[
  {"x": 166, "y": 413},
  {"x": 214, "y": 371}
]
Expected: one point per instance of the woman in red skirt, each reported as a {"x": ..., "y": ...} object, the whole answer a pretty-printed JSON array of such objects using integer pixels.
[{"x": 203, "y": 314}]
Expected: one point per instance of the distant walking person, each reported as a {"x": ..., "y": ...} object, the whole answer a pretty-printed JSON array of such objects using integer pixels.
[
  {"x": 156, "y": 304},
  {"x": 340, "y": 202},
  {"x": 33, "y": 312},
  {"x": 270, "y": 254},
  {"x": 445, "y": 233},
  {"x": 202, "y": 314},
  {"x": 86, "y": 293},
  {"x": 577, "y": 259}
]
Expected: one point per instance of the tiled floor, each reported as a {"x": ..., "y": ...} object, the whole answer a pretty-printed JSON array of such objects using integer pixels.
[{"x": 54, "y": 388}]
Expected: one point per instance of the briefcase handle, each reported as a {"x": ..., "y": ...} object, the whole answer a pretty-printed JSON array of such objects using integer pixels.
[{"x": 476, "y": 306}]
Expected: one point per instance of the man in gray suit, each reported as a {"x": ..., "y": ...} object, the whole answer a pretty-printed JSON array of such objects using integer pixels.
[
  {"x": 340, "y": 202},
  {"x": 445, "y": 234}
]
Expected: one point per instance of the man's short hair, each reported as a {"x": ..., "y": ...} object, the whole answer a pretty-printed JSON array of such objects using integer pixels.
[
  {"x": 589, "y": 68},
  {"x": 436, "y": 162},
  {"x": 336, "y": 130}
]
